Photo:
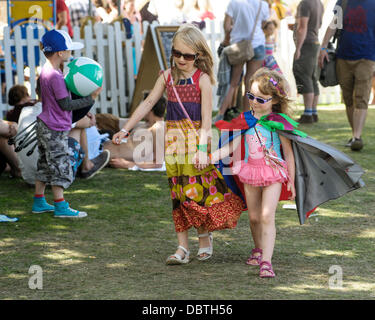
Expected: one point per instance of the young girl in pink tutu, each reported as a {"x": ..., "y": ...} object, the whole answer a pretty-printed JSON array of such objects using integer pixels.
[
  {"x": 267, "y": 160},
  {"x": 268, "y": 152}
]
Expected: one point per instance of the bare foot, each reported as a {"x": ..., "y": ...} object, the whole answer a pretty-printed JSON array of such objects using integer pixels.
[
  {"x": 204, "y": 242},
  {"x": 121, "y": 163},
  {"x": 254, "y": 259}
]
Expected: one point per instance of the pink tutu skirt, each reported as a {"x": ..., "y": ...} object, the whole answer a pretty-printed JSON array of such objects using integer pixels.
[{"x": 257, "y": 173}]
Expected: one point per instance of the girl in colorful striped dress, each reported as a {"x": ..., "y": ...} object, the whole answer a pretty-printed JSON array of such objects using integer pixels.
[
  {"x": 200, "y": 196},
  {"x": 269, "y": 61}
]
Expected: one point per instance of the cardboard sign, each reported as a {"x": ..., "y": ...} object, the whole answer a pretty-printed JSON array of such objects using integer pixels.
[{"x": 156, "y": 55}]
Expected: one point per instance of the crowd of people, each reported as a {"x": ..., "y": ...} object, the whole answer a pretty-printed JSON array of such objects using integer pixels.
[{"x": 202, "y": 195}]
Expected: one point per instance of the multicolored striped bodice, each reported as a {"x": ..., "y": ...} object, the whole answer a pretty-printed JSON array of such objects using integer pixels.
[{"x": 190, "y": 95}]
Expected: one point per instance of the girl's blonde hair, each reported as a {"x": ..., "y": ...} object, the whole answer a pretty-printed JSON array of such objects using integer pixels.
[
  {"x": 192, "y": 37},
  {"x": 274, "y": 84}
]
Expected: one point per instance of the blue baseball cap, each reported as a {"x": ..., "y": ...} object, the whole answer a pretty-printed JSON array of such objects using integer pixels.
[{"x": 59, "y": 40}]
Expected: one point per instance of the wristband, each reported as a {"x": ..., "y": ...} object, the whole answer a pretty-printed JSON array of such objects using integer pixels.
[
  {"x": 126, "y": 132},
  {"x": 325, "y": 49},
  {"x": 202, "y": 147},
  {"x": 210, "y": 156}
]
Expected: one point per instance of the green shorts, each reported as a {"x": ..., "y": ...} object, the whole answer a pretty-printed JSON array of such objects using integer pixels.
[{"x": 305, "y": 69}]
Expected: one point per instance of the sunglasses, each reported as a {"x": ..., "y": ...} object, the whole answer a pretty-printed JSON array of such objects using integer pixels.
[
  {"x": 258, "y": 99},
  {"x": 187, "y": 56}
]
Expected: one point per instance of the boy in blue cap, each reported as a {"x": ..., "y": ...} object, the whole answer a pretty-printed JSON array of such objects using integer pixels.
[{"x": 54, "y": 124}]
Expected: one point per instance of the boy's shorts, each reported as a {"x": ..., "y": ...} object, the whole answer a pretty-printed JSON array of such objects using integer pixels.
[{"x": 54, "y": 165}]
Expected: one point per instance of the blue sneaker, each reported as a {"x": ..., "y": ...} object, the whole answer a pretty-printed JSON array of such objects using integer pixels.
[
  {"x": 40, "y": 205},
  {"x": 62, "y": 210}
]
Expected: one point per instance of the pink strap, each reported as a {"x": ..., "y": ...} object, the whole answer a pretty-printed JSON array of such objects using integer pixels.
[
  {"x": 256, "y": 250},
  {"x": 181, "y": 105},
  {"x": 265, "y": 265},
  {"x": 196, "y": 77}
]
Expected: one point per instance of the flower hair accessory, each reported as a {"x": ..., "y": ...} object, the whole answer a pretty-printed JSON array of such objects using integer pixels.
[{"x": 274, "y": 82}]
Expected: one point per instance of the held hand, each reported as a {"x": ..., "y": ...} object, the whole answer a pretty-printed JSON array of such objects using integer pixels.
[
  {"x": 117, "y": 138},
  {"x": 292, "y": 189},
  {"x": 323, "y": 55},
  {"x": 201, "y": 160},
  {"x": 95, "y": 94}
]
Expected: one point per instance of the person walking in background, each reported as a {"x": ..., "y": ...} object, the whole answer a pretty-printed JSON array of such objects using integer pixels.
[
  {"x": 239, "y": 22},
  {"x": 145, "y": 14},
  {"x": 79, "y": 10},
  {"x": 167, "y": 11},
  {"x": 63, "y": 16},
  {"x": 106, "y": 10},
  {"x": 269, "y": 30},
  {"x": 200, "y": 197},
  {"x": 305, "y": 64},
  {"x": 355, "y": 62},
  {"x": 205, "y": 8},
  {"x": 373, "y": 89}
]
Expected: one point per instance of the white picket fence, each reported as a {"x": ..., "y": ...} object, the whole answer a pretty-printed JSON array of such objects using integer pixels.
[{"x": 107, "y": 44}]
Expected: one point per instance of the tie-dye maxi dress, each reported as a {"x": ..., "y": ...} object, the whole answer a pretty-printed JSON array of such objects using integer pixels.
[{"x": 199, "y": 198}]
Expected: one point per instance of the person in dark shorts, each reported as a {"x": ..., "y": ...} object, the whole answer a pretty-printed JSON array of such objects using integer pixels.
[{"x": 305, "y": 65}]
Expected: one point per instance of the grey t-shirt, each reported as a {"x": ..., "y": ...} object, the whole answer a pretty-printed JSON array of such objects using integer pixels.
[{"x": 313, "y": 9}]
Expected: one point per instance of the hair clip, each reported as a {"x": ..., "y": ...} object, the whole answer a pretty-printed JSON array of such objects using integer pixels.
[{"x": 274, "y": 82}]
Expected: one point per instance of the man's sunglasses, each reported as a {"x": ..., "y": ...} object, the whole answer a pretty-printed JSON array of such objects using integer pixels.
[
  {"x": 187, "y": 56},
  {"x": 258, "y": 99}
]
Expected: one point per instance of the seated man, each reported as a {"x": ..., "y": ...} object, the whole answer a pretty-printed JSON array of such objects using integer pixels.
[{"x": 130, "y": 153}]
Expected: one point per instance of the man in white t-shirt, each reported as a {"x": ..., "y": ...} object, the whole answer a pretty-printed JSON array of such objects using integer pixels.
[
  {"x": 239, "y": 21},
  {"x": 169, "y": 12}
]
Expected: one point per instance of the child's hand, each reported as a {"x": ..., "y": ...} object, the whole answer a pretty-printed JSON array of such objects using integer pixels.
[
  {"x": 95, "y": 94},
  {"x": 201, "y": 160},
  {"x": 92, "y": 119},
  {"x": 117, "y": 138},
  {"x": 292, "y": 189}
]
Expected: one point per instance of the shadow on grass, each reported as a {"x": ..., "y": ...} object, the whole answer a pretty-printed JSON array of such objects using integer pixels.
[{"x": 119, "y": 250}]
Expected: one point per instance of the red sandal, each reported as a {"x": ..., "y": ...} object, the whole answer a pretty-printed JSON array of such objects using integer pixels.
[
  {"x": 266, "y": 266},
  {"x": 253, "y": 257}
]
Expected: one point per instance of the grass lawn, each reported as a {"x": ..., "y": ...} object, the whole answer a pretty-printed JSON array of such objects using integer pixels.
[{"x": 119, "y": 250}]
